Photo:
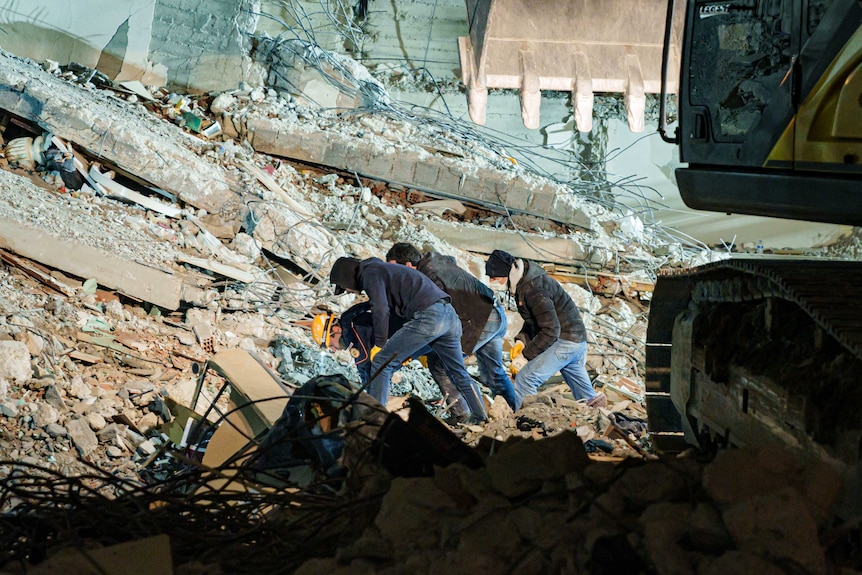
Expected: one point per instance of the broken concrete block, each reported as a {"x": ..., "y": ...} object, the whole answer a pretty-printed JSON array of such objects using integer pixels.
[
  {"x": 15, "y": 361},
  {"x": 96, "y": 421},
  {"x": 8, "y": 409},
  {"x": 82, "y": 436},
  {"x": 777, "y": 525},
  {"x": 643, "y": 485},
  {"x": 522, "y": 467},
  {"x": 45, "y": 415},
  {"x": 739, "y": 563},
  {"x": 79, "y": 389},
  {"x": 56, "y": 430},
  {"x": 663, "y": 525},
  {"x": 78, "y": 258},
  {"x": 822, "y": 486},
  {"x": 410, "y": 506},
  {"x": 736, "y": 475},
  {"x": 96, "y": 121}
]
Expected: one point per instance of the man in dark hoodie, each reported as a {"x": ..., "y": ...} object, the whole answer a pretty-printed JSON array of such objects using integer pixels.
[
  {"x": 429, "y": 320},
  {"x": 354, "y": 331},
  {"x": 554, "y": 337},
  {"x": 483, "y": 319}
]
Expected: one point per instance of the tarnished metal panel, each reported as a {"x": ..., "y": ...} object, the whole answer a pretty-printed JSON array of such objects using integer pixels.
[{"x": 580, "y": 46}]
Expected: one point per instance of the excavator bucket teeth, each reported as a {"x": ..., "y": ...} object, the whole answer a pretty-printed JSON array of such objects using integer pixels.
[{"x": 577, "y": 46}]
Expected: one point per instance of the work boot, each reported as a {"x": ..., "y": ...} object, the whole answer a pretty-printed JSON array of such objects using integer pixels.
[
  {"x": 598, "y": 400},
  {"x": 468, "y": 419}
]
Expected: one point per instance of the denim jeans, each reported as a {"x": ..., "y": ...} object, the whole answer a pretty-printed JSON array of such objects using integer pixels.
[
  {"x": 567, "y": 357},
  {"x": 489, "y": 354},
  {"x": 450, "y": 392},
  {"x": 436, "y": 326}
]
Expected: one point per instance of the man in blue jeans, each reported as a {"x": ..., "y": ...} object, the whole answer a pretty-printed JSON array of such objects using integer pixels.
[
  {"x": 553, "y": 337},
  {"x": 483, "y": 319},
  {"x": 354, "y": 331},
  {"x": 429, "y": 320}
]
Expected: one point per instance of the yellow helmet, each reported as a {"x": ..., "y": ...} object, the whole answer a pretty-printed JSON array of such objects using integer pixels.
[{"x": 321, "y": 328}]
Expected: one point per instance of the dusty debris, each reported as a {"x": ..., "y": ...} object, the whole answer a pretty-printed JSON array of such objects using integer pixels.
[{"x": 221, "y": 252}]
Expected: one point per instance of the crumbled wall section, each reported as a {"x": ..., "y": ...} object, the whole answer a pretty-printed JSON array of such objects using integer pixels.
[
  {"x": 419, "y": 170},
  {"x": 132, "y": 139},
  {"x": 203, "y": 44}
]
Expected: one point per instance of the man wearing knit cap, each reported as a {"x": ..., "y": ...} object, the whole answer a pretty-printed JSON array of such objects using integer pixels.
[
  {"x": 429, "y": 320},
  {"x": 554, "y": 337}
]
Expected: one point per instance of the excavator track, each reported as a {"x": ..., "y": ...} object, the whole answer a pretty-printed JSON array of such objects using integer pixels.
[{"x": 757, "y": 351}]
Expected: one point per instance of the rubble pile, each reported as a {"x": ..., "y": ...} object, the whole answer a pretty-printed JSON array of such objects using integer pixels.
[
  {"x": 529, "y": 506},
  {"x": 186, "y": 237},
  {"x": 544, "y": 507}
]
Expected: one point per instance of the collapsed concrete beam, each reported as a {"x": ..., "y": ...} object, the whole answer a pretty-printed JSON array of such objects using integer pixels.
[
  {"x": 70, "y": 234},
  {"x": 133, "y": 139},
  {"x": 558, "y": 250},
  {"x": 375, "y": 157},
  {"x": 65, "y": 254}
]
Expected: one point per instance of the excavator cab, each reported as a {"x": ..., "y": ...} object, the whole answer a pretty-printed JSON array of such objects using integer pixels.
[{"x": 770, "y": 108}]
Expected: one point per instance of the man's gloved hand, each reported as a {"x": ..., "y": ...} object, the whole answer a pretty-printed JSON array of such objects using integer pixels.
[
  {"x": 374, "y": 351},
  {"x": 516, "y": 350},
  {"x": 518, "y": 364},
  {"x": 407, "y": 361}
]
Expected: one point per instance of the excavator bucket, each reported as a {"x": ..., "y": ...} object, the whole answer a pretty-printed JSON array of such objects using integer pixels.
[{"x": 577, "y": 46}]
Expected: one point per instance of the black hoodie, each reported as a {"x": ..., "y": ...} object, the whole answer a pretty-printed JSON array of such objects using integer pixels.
[
  {"x": 393, "y": 288},
  {"x": 472, "y": 300}
]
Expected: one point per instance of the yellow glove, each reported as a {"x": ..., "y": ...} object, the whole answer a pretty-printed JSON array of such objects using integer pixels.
[
  {"x": 516, "y": 355},
  {"x": 518, "y": 364},
  {"x": 407, "y": 361},
  {"x": 374, "y": 351},
  {"x": 423, "y": 359},
  {"x": 516, "y": 350}
]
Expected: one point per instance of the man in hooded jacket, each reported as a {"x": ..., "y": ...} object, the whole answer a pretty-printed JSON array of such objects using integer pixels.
[
  {"x": 354, "y": 331},
  {"x": 553, "y": 335},
  {"x": 429, "y": 320}
]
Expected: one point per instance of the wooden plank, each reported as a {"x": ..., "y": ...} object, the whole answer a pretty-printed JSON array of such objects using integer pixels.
[
  {"x": 219, "y": 268},
  {"x": 260, "y": 390},
  {"x": 83, "y": 261},
  {"x": 33, "y": 271}
]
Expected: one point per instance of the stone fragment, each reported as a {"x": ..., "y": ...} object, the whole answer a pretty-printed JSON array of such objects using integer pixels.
[
  {"x": 83, "y": 437},
  {"x": 53, "y": 396},
  {"x": 523, "y": 466},
  {"x": 409, "y": 508},
  {"x": 115, "y": 452},
  {"x": 34, "y": 343},
  {"x": 737, "y": 474},
  {"x": 8, "y": 409},
  {"x": 15, "y": 361},
  {"x": 110, "y": 433},
  {"x": 739, "y": 563},
  {"x": 96, "y": 420},
  {"x": 777, "y": 525},
  {"x": 80, "y": 389},
  {"x": 46, "y": 414},
  {"x": 56, "y": 430},
  {"x": 146, "y": 447}
]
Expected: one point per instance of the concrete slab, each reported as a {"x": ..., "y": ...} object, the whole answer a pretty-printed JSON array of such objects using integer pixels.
[
  {"x": 130, "y": 138},
  {"x": 83, "y": 261}
]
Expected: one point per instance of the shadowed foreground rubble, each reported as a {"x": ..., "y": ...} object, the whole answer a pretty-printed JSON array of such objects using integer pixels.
[{"x": 532, "y": 507}]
